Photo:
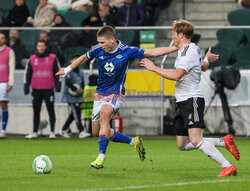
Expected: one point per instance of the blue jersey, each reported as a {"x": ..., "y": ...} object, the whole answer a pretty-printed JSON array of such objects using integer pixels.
[{"x": 112, "y": 67}]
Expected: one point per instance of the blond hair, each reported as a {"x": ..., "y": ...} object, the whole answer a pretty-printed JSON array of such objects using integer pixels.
[
  {"x": 183, "y": 26},
  {"x": 106, "y": 31}
]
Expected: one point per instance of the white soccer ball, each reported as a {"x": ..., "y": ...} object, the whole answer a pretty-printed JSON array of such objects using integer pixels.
[
  {"x": 42, "y": 164},
  {"x": 73, "y": 93}
]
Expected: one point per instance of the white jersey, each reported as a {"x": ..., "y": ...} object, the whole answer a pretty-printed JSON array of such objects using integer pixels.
[{"x": 189, "y": 59}]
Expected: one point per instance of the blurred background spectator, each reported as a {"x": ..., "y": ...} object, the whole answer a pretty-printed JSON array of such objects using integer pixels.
[
  {"x": 131, "y": 14},
  {"x": 52, "y": 46},
  {"x": 103, "y": 14},
  {"x": 17, "y": 46},
  {"x": 40, "y": 75},
  {"x": 18, "y": 15},
  {"x": 61, "y": 5},
  {"x": 150, "y": 7},
  {"x": 82, "y": 5},
  {"x": 44, "y": 15},
  {"x": 72, "y": 94},
  {"x": 117, "y": 3},
  {"x": 62, "y": 37},
  {"x": 7, "y": 71},
  {"x": 89, "y": 96}
]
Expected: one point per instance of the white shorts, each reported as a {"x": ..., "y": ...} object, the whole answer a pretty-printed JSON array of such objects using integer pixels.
[
  {"x": 3, "y": 91},
  {"x": 113, "y": 100}
]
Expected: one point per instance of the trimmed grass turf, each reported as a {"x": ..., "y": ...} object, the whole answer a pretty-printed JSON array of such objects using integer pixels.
[{"x": 166, "y": 168}]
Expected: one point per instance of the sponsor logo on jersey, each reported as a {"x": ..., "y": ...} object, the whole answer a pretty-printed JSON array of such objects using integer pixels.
[
  {"x": 101, "y": 57},
  {"x": 109, "y": 67},
  {"x": 119, "y": 56}
]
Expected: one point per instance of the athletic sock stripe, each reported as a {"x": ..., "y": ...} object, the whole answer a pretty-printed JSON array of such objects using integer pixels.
[{"x": 195, "y": 106}]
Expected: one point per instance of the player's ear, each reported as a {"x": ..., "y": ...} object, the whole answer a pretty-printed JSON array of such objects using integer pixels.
[
  {"x": 181, "y": 35},
  {"x": 113, "y": 39}
]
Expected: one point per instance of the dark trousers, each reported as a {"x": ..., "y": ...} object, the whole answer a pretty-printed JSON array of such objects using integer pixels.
[
  {"x": 74, "y": 115},
  {"x": 38, "y": 97}
]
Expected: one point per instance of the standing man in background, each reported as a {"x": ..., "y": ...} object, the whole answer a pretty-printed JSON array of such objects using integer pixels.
[
  {"x": 89, "y": 97},
  {"x": 72, "y": 94},
  {"x": 40, "y": 74},
  {"x": 7, "y": 72}
]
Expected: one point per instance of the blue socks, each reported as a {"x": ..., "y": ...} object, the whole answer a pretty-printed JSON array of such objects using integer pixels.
[
  {"x": 103, "y": 143},
  {"x": 4, "y": 119},
  {"x": 119, "y": 137}
]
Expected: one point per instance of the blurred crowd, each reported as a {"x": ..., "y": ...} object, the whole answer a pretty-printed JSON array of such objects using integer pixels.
[{"x": 65, "y": 13}]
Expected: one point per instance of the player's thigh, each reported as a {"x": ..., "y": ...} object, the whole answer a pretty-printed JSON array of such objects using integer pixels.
[
  {"x": 106, "y": 113},
  {"x": 3, "y": 95},
  {"x": 95, "y": 128},
  {"x": 114, "y": 101}
]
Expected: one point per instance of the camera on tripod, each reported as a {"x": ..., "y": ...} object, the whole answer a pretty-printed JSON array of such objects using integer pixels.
[
  {"x": 226, "y": 76},
  {"x": 229, "y": 77}
]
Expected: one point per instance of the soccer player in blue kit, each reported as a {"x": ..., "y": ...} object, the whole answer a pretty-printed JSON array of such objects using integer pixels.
[{"x": 113, "y": 57}]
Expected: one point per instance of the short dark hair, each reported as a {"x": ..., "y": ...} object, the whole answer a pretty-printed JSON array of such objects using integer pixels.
[
  {"x": 1, "y": 32},
  {"x": 75, "y": 56},
  {"x": 106, "y": 31},
  {"x": 42, "y": 41}
]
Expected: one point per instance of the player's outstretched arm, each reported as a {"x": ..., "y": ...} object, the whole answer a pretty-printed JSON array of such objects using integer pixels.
[
  {"x": 161, "y": 51},
  {"x": 210, "y": 57},
  {"x": 175, "y": 75},
  {"x": 64, "y": 71}
]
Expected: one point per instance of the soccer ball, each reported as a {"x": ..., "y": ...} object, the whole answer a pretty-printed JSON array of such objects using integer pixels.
[
  {"x": 73, "y": 93},
  {"x": 42, "y": 164}
]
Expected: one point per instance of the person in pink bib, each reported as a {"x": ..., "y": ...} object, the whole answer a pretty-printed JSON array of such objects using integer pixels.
[
  {"x": 7, "y": 70},
  {"x": 40, "y": 75}
]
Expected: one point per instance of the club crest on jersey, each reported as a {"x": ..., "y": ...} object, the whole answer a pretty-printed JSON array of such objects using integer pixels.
[
  {"x": 109, "y": 67},
  {"x": 119, "y": 56}
]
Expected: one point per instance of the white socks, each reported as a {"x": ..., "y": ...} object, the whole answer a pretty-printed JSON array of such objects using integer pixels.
[
  {"x": 210, "y": 150},
  {"x": 132, "y": 143},
  {"x": 102, "y": 156},
  {"x": 215, "y": 141},
  {"x": 188, "y": 147}
]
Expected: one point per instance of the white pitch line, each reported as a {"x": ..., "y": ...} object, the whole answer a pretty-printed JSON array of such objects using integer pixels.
[{"x": 164, "y": 185}]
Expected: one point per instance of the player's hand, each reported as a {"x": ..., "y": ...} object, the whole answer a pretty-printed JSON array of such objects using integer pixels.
[
  {"x": 61, "y": 73},
  {"x": 79, "y": 91},
  {"x": 147, "y": 64},
  {"x": 9, "y": 87},
  {"x": 211, "y": 57}
]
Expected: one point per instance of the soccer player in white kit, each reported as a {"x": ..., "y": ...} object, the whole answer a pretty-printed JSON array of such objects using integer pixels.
[{"x": 190, "y": 100}]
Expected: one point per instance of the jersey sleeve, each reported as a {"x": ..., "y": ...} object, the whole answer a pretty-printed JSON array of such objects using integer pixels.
[
  {"x": 92, "y": 53},
  {"x": 136, "y": 53},
  {"x": 186, "y": 62}
]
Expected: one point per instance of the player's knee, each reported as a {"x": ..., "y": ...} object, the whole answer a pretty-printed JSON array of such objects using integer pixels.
[{"x": 195, "y": 142}]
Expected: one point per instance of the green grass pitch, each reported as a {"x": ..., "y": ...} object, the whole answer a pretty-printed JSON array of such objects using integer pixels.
[{"x": 165, "y": 168}]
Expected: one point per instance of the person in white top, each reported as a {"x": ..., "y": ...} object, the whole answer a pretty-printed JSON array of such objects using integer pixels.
[{"x": 190, "y": 102}]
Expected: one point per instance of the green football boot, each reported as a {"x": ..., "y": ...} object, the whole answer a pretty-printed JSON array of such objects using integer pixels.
[
  {"x": 139, "y": 147},
  {"x": 98, "y": 163}
]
